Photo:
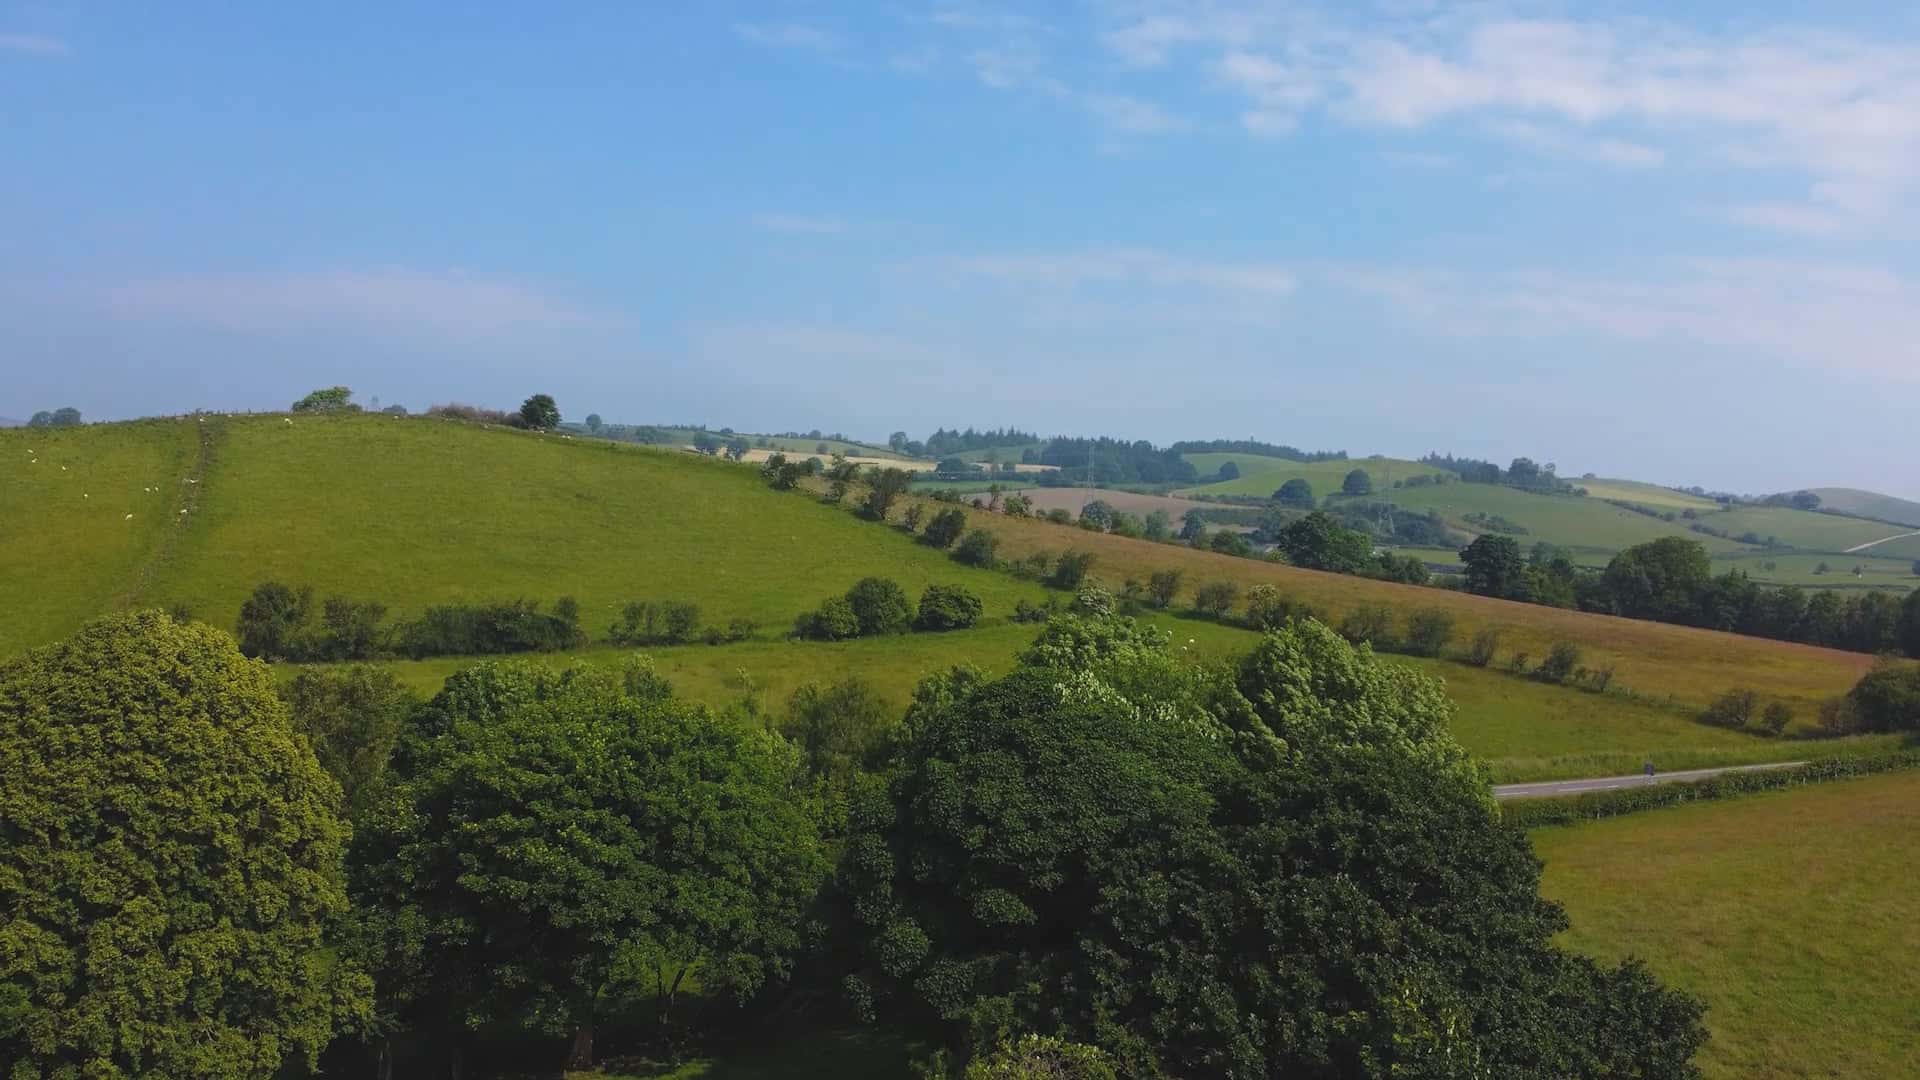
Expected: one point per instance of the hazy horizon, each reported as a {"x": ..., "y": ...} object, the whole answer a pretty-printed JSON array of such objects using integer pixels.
[{"x": 1665, "y": 244}]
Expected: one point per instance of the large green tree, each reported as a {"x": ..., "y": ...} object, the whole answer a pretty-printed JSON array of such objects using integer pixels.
[
  {"x": 170, "y": 863},
  {"x": 1662, "y": 579},
  {"x": 330, "y": 399},
  {"x": 557, "y": 838},
  {"x": 1288, "y": 869},
  {"x": 540, "y": 413},
  {"x": 1494, "y": 566},
  {"x": 1318, "y": 542},
  {"x": 1295, "y": 493},
  {"x": 1910, "y": 623},
  {"x": 351, "y": 716}
]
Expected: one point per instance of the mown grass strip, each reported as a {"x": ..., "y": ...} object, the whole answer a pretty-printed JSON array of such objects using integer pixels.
[{"x": 1573, "y": 810}]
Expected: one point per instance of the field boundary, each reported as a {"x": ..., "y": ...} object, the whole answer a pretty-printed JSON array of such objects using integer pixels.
[{"x": 1596, "y": 806}]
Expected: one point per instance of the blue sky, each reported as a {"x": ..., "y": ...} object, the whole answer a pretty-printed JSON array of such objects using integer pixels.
[{"x": 1674, "y": 242}]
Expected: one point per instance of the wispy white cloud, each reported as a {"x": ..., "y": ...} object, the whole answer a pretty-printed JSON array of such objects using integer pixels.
[
  {"x": 1137, "y": 266},
  {"x": 1841, "y": 110},
  {"x": 789, "y": 35},
  {"x": 799, "y": 224},
  {"x": 1822, "y": 315},
  {"x": 446, "y": 305},
  {"x": 36, "y": 44}
]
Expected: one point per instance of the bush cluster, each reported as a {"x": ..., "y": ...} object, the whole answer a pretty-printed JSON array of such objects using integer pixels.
[
  {"x": 277, "y": 623},
  {"x": 877, "y": 606}
]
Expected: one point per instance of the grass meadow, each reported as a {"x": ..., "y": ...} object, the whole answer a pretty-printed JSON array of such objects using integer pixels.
[
  {"x": 1791, "y": 913},
  {"x": 1649, "y": 495},
  {"x": 84, "y": 513},
  {"x": 1656, "y": 660},
  {"x": 417, "y": 512},
  {"x": 1262, "y": 476},
  {"x": 1871, "y": 504},
  {"x": 1523, "y": 729}
]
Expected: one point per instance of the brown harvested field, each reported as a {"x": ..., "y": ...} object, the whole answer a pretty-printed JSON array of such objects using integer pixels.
[
  {"x": 1072, "y": 499},
  {"x": 1691, "y": 666}
]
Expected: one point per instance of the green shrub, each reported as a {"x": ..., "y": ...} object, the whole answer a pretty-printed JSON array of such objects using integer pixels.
[
  {"x": 1070, "y": 569},
  {"x": 1428, "y": 631},
  {"x": 1775, "y": 718},
  {"x": 976, "y": 548},
  {"x": 1162, "y": 587},
  {"x": 1485, "y": 644},
  {"x": 1025, "y": 611},
  {"x": 1369, "y": 623},
  {"x": 1270, "y": 609},
  {"x": 879, "y": 606},
  {"x": 945, "y": 527},
  {"x": 1732, "y": 709},
  {"x": 1562, "y": 659},
  {"x": 649, "y": 622},
  {"x": 1887, "y": 698},
  {"x": 947, "y": 607},
  {"x": 1038, "y": 1057},
  {"x": 833, "y": 620},
  {"x": 1215, "y": 598}
]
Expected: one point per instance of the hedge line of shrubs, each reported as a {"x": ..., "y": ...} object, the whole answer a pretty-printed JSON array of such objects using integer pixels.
[
  {"x": 1532, "y": 813},
  {"x": 276, "y": 623},
  {"x": 877, "y": 606}
]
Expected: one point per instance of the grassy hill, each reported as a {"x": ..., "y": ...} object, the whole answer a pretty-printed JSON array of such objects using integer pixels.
[
  {"x": 415, "y": 512},
  {"x": 412, "y": 512},
  {"x": 1870, "y": 504},
  {"x": 1780, "y": 910},
  {"x": 1262, "y": 476},
  {"x": 1692, "y": 666}
]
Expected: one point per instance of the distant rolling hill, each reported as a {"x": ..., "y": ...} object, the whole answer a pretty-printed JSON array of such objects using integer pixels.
[
  {"x": 416, "y": 512},
  {"x": 1870, "y": 504}
]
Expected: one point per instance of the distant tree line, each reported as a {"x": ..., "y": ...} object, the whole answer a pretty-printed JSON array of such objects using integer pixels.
[
  {"x": 1671, "y": 580},
  {"x": 62, "y": 417},
  {"x": 1523, "y": 473},
  {"x": 943, "y": 442},
  {"x": 1108, "y": 461},
  {"x": 1255, "y": 446}
]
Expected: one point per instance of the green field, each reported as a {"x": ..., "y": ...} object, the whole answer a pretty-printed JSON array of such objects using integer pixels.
[
  {"x": 1799, "y": 528},
  {"x": 1791, "y": 913},
  {"x": 68, "y": 548},
  {"x": 416, "y": 512},
  {"x": 1525, "y": 730},
  {"x": 1592, "y": 529},
  {"x": 1792, "y": 568},
  {"x": 1262, "y": 476},
  {"x": 1652, "y": 495},
  {"x": 1870, "y": 504}
]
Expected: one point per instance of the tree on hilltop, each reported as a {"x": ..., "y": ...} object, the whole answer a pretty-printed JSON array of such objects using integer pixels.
[
  {"x": 1357, "y": 483},
  {"x": 330, "y": 400},
  {"x": 539, "y": 413}
]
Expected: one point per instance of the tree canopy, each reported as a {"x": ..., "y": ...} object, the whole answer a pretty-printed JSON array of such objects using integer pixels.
[
  {"x": 330, "y": 399},
  {"x": 539, "y": 413},
  {"x": 1284, "y": 869},
  {"x": 1494, "y": 566},
  {"x": 1357, "y": 482},
  {"x": 556, "y": 836},
  {"x": 171, "y": 868},
  {"x": 1295, "y": 493}
]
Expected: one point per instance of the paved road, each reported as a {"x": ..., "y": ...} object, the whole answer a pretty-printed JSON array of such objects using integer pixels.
[
  {"x": 1608, "y": 783},
  {"x": 1877, "y": 543}
]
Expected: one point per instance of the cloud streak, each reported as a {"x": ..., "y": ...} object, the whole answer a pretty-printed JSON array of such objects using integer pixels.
[
  {"x": 33, "y": 44},
  {"x": 789, "y": 35},
  {"x": 453, "y": 306}
]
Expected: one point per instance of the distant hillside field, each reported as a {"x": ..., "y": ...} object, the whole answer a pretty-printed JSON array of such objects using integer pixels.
[
  {"x": 1262, "y": 476},
  {"x": 1870, "y": 504},
  {"x": 1652, "y": 495},
  {"x": 1693, "y": 666},
  {"x": 415, "y": 512}
]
